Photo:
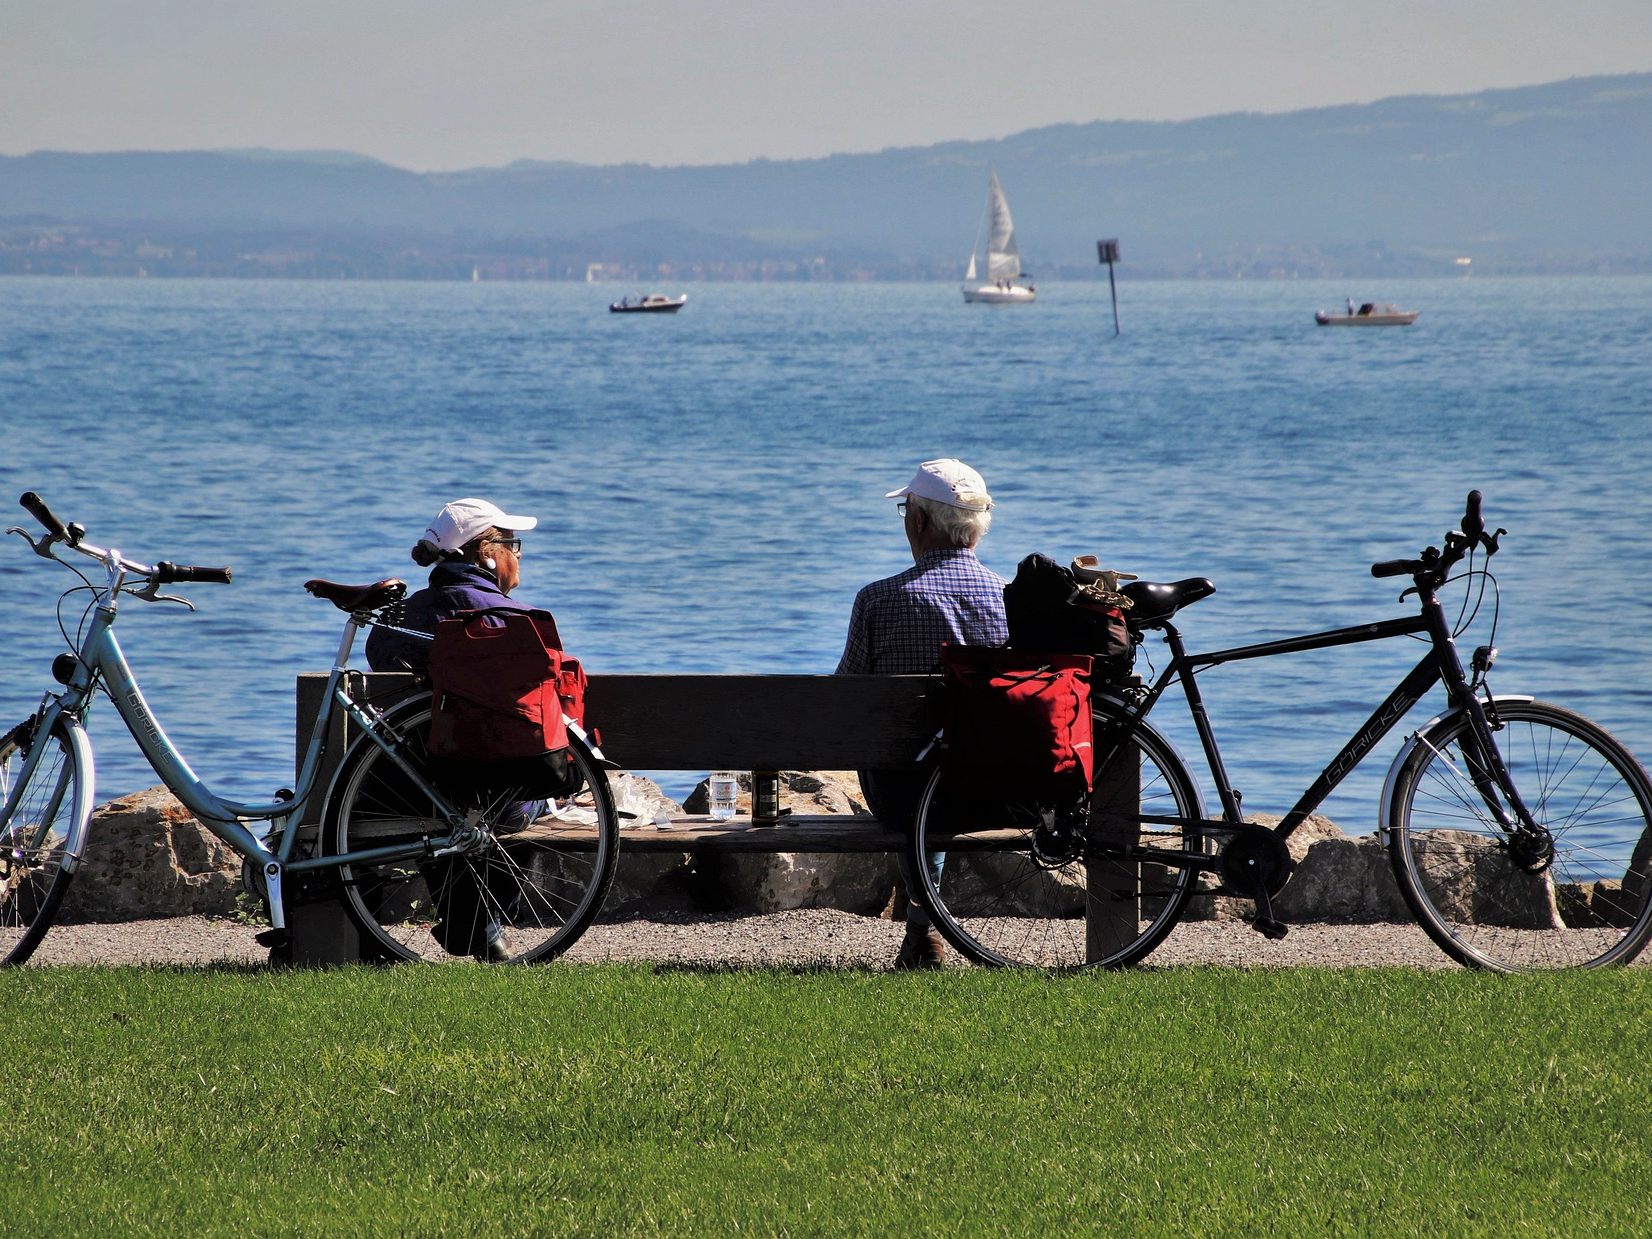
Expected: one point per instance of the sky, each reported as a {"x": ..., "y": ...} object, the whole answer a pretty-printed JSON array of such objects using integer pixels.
[{"x": 447, "y": 84}]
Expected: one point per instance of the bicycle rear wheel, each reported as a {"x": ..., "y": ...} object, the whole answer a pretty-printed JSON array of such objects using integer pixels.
[
  {"x": 1500, "y": 903},
  {"x": 37, "y": 822},
  {"x": 524, "y": 892},
  {"x": 1008, "y": 885}
]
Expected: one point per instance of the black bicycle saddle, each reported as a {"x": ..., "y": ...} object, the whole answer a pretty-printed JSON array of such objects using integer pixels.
[{"x": 1156, "y": 602}]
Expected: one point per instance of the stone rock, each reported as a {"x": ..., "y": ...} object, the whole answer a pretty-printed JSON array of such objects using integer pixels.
[
  {"x": 1486, "y": 888},
  {"x": 763, "y": 881},
  {"x": 1337, "y": 879},
  {"x": 147, "y": 856}
]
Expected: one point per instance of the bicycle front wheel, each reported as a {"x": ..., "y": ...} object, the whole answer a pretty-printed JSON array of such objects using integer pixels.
[
  {"x": 38, "y": 807},
  {"x": 522, "y": 892},
  {"x": 1007, "y": 884},
  {"x": 1500, "y": 902}
]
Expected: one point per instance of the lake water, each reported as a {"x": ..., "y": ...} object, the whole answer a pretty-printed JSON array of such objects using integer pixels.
[{"x": 710, "y": 483}]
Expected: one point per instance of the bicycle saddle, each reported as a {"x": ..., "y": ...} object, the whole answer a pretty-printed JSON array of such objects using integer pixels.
[
  {"x": 1156, "y": 602},
  {"x": 359, "y": 597}
]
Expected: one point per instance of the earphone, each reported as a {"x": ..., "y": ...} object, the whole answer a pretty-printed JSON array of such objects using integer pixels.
[{"x": 489, "y": 564}]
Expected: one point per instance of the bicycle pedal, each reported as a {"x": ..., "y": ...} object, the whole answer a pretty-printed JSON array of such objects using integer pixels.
[
  {"x": 1270, "y": 928},
  {"x": 273, "y": 938}
]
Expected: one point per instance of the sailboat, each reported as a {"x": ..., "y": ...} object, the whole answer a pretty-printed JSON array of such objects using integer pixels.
[{"x": 1003, "y": 258}]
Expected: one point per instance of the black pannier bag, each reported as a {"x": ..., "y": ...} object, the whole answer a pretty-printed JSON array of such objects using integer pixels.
[{"x": 1051, "y": 609}]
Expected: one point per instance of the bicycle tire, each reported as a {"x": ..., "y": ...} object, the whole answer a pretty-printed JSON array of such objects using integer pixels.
[
  {"x": 541, "y": 883},
  {"x": 39, "y": 834},
  {"x": 1590, "y": 907},
  {"x": 1021, "y": 903}
]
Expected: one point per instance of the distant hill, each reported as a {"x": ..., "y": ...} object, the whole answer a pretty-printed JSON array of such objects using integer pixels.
[{"x": 1552, "y": 177}]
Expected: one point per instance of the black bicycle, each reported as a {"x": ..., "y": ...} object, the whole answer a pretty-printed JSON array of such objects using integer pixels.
[{"x": 1520, "y": 833}]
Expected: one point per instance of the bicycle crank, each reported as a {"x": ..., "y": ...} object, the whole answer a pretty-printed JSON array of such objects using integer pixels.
[{"x": 1258, "y": 864}]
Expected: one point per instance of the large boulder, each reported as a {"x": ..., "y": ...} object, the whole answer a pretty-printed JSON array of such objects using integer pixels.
[
  {"x": 147, "y": 856},
  {"x": 762, "y": 881},
  {"x": 1337, "y": 878}
]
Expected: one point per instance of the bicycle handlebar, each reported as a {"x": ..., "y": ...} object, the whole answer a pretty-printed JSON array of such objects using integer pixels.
[
  {"x": 1396, "y": 567},
  {"x": 36, "y": 507},
  {"x": 163, "y": 573},
  {"x": 166, "y": 573},
  {"x": 1432, "y": 567}
]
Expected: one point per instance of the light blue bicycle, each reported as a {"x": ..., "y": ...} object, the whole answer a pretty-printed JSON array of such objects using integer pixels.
[{"x": 425, "y": 872}]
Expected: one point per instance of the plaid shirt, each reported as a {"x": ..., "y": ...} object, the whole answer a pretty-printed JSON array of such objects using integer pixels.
[{"x": 898, "y": 623}]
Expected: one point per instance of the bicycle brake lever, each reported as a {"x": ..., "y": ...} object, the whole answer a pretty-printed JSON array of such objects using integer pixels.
[
  {"x": 151, "y": 593},
  {"x": 41, "y": 547}
]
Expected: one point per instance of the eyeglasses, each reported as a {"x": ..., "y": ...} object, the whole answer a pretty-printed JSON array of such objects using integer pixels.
[
  {"x": 901, "y": 508},
  {"x": 514, "y": 545}
]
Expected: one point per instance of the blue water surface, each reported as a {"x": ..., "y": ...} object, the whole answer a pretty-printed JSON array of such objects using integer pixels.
[{"x": 710, "y": 484}]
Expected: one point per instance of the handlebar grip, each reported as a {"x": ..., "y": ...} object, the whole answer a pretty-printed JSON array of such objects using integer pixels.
[
  {"x": 166, "y": 573},
  {"x": 1396, "y": 567},
  {"x": 36, "y": 507}
]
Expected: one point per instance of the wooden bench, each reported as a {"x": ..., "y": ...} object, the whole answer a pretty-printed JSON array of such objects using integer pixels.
[{"x": 701, "y": 723}]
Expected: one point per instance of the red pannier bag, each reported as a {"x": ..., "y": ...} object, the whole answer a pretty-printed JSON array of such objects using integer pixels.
[
  {"x": 500, "y": 686},
  {"x": 1018, "y": 722}
]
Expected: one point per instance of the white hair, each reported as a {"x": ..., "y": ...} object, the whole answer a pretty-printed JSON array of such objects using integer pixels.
[{"x": 961, "y": 526}]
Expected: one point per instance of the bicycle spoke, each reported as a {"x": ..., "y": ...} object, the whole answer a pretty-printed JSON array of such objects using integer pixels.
[{"x": 1498, "y": 899}]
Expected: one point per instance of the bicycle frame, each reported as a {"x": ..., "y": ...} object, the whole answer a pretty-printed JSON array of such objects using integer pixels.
[
  {"x": 1439, "y": 664},
  {"x": 100, "y": 655}
]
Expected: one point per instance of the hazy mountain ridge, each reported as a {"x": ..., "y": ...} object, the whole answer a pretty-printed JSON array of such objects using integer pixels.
[{"x": 1544, "y": 177}]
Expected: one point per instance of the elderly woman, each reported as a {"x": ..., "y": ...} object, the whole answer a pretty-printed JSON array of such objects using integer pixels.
[{"x": 478, "y": 562}]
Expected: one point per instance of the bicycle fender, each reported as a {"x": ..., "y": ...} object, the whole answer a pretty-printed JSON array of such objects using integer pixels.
[
  {"x": 603, "y": 763},
  {"x": 1416, "y": 738},
  {"x": 55, "y": 722}
]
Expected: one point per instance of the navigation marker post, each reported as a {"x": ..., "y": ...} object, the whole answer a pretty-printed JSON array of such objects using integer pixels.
[{"x": 1108, "y": 252}]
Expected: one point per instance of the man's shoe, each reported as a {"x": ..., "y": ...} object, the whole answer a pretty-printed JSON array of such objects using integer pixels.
[{"x": 920, "y": 949}]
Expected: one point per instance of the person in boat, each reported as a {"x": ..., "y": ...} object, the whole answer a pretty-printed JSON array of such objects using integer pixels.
[
  {"x": 474, "y": 554},
  {"x": 897, "y": 625},
  {"x": 1350, "y": 307}
]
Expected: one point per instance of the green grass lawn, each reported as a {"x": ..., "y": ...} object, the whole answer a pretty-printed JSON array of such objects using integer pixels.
[{"x": 590, "y": 1100}]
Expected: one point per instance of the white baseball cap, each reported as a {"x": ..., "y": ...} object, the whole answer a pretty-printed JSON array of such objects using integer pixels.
[
  {"x": 464, "y": 519},
  {"x": 947, "y": 481}
]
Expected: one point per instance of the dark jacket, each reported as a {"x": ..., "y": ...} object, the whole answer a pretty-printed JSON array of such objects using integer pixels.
[{"x": 453, "y": 587}]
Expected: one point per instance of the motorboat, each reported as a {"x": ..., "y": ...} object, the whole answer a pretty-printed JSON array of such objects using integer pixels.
[
  {"x": 653, "y": 303},
  {"x": 1370, "y": 314},
  {"x": 1003, "y": 257}
]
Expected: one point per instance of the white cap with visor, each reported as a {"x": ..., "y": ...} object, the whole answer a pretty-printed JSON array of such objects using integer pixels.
[
  {"x": 466, "y": 519},
  {"x": 947, "y": 481}
]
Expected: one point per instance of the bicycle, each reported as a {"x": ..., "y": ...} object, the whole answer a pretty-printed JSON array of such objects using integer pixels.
[
  {"x": 1519, "y": 832},
  {"x": 409, "y": 858}
]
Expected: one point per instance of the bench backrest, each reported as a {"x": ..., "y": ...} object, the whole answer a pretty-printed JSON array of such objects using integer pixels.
[{"x": 735, "y": 722}]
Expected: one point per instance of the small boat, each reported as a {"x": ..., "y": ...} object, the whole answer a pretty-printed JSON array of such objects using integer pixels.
[
  {"x": 1371, "y": 314},
  {"x": 1003, "y": 258},
  {"x": 654, "y": 303}
]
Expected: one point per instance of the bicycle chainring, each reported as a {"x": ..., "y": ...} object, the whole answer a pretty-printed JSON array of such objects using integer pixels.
[{"x": 1256, "y": 856}]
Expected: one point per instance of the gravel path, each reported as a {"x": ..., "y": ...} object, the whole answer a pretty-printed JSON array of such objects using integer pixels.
[{"x": 782, "y": 939}]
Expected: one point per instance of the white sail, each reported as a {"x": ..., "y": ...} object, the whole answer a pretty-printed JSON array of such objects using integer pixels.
[
  {"x": 970, "y": 274},
  {"x": 1003, "y": 258}
]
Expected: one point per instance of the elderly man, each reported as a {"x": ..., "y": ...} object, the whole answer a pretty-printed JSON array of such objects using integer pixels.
[{"x": 898, "y": 624}]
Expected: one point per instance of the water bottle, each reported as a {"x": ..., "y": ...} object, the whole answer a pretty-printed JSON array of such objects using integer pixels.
[{"x": 721, "y": 790}]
